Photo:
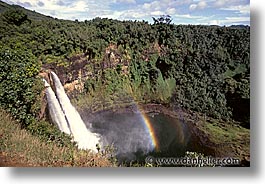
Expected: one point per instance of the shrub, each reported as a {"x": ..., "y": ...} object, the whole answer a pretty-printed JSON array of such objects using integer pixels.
[{"x": 18, "y": 71}]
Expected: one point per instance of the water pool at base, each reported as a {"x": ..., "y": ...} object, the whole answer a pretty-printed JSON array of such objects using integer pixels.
[{"x": 133, "y": 140}]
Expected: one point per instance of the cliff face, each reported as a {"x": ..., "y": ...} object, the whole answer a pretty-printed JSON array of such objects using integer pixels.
[
  {"x": 75, "y": 70},
  {"x": 72, "y": 68}
]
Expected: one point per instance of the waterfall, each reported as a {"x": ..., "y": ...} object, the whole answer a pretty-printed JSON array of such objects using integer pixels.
[
  {"x": 85, "y": 138},
  {"x": 55, "y": 111}
]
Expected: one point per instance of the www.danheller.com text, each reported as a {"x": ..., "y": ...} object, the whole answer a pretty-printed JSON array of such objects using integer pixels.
[{"x": 189, "y": 161}]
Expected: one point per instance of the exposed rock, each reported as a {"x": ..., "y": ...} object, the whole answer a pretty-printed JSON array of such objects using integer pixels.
[
  {"x": 73, "y": 88},
  {"x": 75, "y": 68}
]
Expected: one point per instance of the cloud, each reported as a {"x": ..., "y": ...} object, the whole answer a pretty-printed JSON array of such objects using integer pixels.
[
  {"x": 184, "y": 11},
  {"x": 125, "y": 1},
  {"x": 193, "y": 7},
  {"x": 227, "y": 3},
  {"x": 132, "y": 15},
  {"x": 235, "y": 20},
  {"x": 146, "y": 10},
  {"x": 201, "y": 5},
  {"x": 60, "y": 3},
  {"x": 67, "y": 9},
  {"x": 171, "y": 11},
  {"x": 243, "y": 9},
  {"x": 214, "y": 22},
  {"x": 156, "y": 13},
  {"x": 79, "y": 6},
  {"x": 188, "y": 16},
  {"x": 220, "y": 3},
  {"x": 229, "y": 21},
  {"x": 155, "y": 5},
  {"x": 41, "y": 4},
  {"x": 25, "y": 4}
]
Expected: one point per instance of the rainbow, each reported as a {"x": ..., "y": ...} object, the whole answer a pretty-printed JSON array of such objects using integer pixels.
[{"x": 150, "y": 128}]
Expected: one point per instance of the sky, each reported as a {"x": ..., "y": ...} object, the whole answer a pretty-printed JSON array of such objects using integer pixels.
[{"x": 205, "y": 12}]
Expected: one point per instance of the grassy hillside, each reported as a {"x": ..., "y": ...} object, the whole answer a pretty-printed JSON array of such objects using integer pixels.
[{"x": 19, "y": 148}]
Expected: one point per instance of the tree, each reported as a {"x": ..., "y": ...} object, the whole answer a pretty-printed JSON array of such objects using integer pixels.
[
  {"x": 163, "y": 19},
  {"x": 15, "y": 16}
]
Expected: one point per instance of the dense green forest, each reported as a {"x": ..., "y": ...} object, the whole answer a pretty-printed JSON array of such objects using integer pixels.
[{"x": 205, "y": 69}]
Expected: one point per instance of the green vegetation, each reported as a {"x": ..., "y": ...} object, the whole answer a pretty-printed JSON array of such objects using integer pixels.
[
  {"x": 16, "y": 17},
  {"x": 229, "y": 137},
  {"x": 200, "y": 68},
  {"x": 226, "y": 132},
  {"x": 19, "y": 87}
]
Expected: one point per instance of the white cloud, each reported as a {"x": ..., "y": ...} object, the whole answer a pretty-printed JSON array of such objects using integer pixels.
[
  {"x": 193, "y": 7},
  {"x": 200, "y": 5},
  {"x": 87, "y": 9},
  {"x": 73, "y": 10},
  {"x": 147, "y": 6},
  {"x": 236, "y": 19},
  {"x": 155, "y": 5},
  {"x": 214, "y": 22},
  {"x": 180, "y": 10},
  {"x": 243, "y": 9},
  {"x": 229, "y": 21},
  {"x": 125, "y": 1},
  {"x": 39, "y": 3},
  {"x": 154, "y": 8},
  {"x": 220, "y": 3},
  {"x": 188, "y": 16},
  {"x": 156, "y": 13},
  {"x": 171, "y": 11},
  {"x": 112, "y": 15},
  {"x": 227, "y": 3},
  {"x": 163, "y": 5},
  {"x": 133, "y": 14},
  {"x": 79, "y": 6}
]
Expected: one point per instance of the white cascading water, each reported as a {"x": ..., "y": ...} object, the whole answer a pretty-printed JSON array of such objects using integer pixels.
[
  {"x": 84, "y": 138},
  {"x": 55, "y": 110}
]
